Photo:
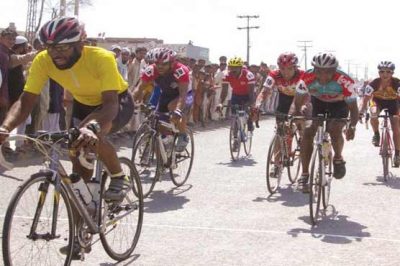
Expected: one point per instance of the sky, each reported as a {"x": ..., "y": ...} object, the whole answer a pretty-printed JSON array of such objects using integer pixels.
[{"x": 359, "y": 33}]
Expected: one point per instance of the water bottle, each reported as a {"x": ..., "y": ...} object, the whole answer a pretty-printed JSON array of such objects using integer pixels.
[
  {"x": 94, "y": 188},
  {"x": 82, "y": 192},
  {"x": 168, "y": 142}
]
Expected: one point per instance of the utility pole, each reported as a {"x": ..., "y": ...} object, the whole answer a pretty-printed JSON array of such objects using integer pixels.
[
  {"x": 304, "y": 46},
  {"x": 63, "y": 7},
  {"x": 248, "y": 32},
  {"x": 76, "y": 9},
  {"x": 349, "y": 62}
]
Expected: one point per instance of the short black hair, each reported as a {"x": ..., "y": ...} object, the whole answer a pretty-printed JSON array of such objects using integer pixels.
[{"x": 9, "y": 31}]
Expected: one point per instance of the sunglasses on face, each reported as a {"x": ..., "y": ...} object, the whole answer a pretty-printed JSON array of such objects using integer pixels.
[
  {"x": 385, "y": 71},
  {"x": 60, "y": 48}
]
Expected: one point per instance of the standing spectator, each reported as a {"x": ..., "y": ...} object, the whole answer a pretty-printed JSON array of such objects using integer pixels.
[
  {"x": 123, "y": 62},
  {"x": 218, "y": 77},
  {"x": 7, "y": 41},
  {"x": 116, "y": 49}
]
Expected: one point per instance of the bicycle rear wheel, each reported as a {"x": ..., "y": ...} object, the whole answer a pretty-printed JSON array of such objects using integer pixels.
[
  {"x": 38, "y": 222},
  {"x": 315, "y": 181},
  {"x": 326, "y": 192},
  {"x": 182, "y": 162},
  {"x": 147, "y": 161},
  {"x": 124, "y": 219},
  {"x": 294, "y": 158},
  {"x": 234, "y": 139},
  {"x": 249, "y": 139},
  {"x": 274, "y": 153}
]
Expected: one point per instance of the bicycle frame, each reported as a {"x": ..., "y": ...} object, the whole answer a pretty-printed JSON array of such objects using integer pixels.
[
  {"x": 385, "y": 129},
  {"x": 321, "y": 137}
]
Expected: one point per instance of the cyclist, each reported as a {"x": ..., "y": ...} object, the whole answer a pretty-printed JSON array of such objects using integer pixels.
[
  {"x": 284, "y": 80},
  {"x": 331, "y": 91},
  {"x": 176, "y": 93},
  {"x": 383, "y": 93},
  {"x": 101, "y": 103},
  {"x": 242, "y": 82}
]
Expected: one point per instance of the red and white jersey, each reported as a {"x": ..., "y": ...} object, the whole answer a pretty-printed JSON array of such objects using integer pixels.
[
  {"x": 287, "y": 87},
  {"x": 240, "y": 85},
  {"x": 179, "y": 74}
]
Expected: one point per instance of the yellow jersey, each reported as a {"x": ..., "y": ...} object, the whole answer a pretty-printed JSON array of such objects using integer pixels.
[{"x": 95, "y": 72}]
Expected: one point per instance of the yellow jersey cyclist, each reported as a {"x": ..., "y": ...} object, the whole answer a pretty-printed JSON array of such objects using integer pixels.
[
  {"x": 384, "y": 92},
  {"x": 101, "y": 103},
  {"x": 331, "y": 91}
]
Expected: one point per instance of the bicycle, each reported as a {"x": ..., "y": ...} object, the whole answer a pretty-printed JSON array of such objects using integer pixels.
[
  {"x": 153, "y": 154},
  {"x": 283, "y": 151},
  {"x": 239, "y": 132},
  {"x": 321, "y": 173},
  {"x": 45, "y": 214},
  {"x": 386, "y": 145}
]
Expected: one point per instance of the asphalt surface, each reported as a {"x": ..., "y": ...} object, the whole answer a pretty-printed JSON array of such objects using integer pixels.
[{"x": 225, "y": 216}]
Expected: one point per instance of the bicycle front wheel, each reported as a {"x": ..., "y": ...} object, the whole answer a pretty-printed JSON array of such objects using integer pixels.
[
  {"x": 316, "y": 173},
  {"x": 385, "y": 155},
  {"x": 123, "y": 220},
  {"x": 147, "y": 161},
  {"x": 234, "y": 139},
  {"x": 182, "y": 162},
  {"x": 38, "y": 223},
  {"x": 274, "y": 165},
  {"x": 294, "y": 158},
  {"x": 247, "y": 142},
  {"x": 326, "y": 192}
]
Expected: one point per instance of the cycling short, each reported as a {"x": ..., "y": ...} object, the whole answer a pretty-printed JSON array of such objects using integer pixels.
[
  {"x": 239, "y": 100},
  {"x": 284, "y": 103},
  {"x": 335, "y": 109},
  {"x": 391, "y": 105},
  {"x": 125, "y": 111},
  {"x": 166, "y": 98}
]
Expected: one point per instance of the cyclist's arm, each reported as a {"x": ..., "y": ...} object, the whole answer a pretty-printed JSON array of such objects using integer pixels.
[
  {"x": 367, "y": 96},
  {"x": 353, "y": 108},
  {"x": 252, "y": 94},
  {"x": 224, "y": 91},
  {"x": 20, "y": 110},
  {"x": 107, "y": 113},
  {"x": 183, "y": 88},
  {"x": 264, "y": 95},
  {"x": 138, "y": 91},
  {"x": 300, "y": 96}
]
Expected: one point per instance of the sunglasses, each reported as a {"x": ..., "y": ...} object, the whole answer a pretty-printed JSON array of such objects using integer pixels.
[
  {"x": 385, "y": 71},
  {"x": 60, "y": 48}
]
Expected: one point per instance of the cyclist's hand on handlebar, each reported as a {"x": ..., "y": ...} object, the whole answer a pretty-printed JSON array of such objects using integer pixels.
[
  {"x": 86, "y": 139},
  {"x": 3, "y": 134}
]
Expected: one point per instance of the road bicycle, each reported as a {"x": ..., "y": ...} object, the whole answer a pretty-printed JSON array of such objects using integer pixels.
[{"x": 45, "y": 214}]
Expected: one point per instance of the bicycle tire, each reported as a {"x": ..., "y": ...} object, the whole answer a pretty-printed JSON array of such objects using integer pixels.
[
  {"x": 385, "y": 155},
  {"x": 188, "y": 153},
  {"x": 326, "y": 192},
  {"x": 271, "y": 186},
  {"x": 315, "y": 185},
  {"x": 150, "y": 171},
  {"x": 14, "y": 212},
  {"x": 247, "y": 143},
  {"x": 144, "y": 127},
  {"x": 235, "y": 124},
  {"x": 133, "y": 203},
  {"x": 294, "y": 165}
]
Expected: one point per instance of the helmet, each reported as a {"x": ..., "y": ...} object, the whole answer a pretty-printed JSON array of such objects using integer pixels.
[
  {"x": 163, "y": 55},
  {"x": 235, "y": 61},
  {"x": 325, "y": 60},
  {"x": 386, "y": 64},
  {"x": 287, "y": 59},
  {"x": 62, "y": 30},
  {"x": 149, "y": 57}
]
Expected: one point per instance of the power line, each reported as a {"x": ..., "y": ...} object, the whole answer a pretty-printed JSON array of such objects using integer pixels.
[
  {"x": 248, "y": 32},
  {"x": 304, "y": 46}
]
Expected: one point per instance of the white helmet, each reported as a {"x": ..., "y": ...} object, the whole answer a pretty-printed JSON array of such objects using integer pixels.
[
  {"x": 325, "y": 60},
  {"x": 386, "y": 64}
]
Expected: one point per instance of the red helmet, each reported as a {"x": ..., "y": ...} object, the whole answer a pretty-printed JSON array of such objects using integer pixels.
[
  {"x": 287, "y": 59},
  {"x": 163, "y": 55},
  {"x": 62, "y": 30}
]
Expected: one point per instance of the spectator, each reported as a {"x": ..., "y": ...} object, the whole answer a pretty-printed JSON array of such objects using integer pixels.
[{"x": 123, "y": 62}]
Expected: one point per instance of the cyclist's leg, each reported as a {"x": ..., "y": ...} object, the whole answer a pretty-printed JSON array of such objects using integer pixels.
[
  {"x": 335, "y": 129},
  {"x": 375, "y": 107}
]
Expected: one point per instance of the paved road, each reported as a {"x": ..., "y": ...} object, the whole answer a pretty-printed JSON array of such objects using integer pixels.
[{"x": 224, "y": 216}]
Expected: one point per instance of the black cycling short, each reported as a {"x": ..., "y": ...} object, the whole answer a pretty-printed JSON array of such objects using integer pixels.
[
  {"x": 167, "y": 96},
  {"x": 335, "y": 109},
  {"x": 125, "y": 111},
  {"x": 391, "y": 105},
  {"x": 284, "y": 103}
]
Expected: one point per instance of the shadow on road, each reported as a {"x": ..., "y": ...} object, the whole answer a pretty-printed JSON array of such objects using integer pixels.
[
  {"x": 337, "y": 229},
  {"x": 392, "y": 182},
  {"x": 243, "y": 161},
  {"x": 287, "y": 196},
  {"x": 128, "y": 261},
  {"x": 161, "y": 201}
]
